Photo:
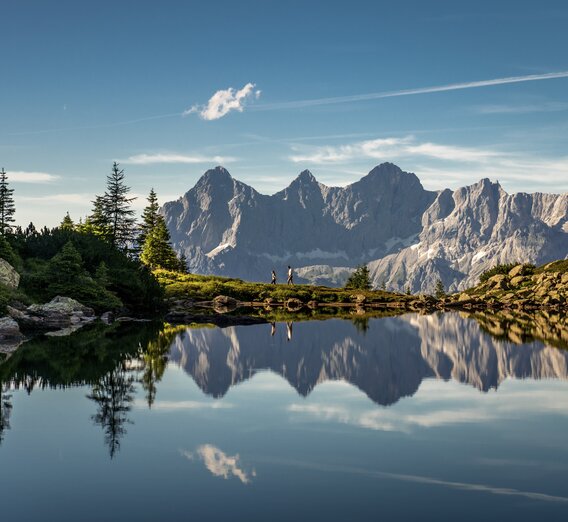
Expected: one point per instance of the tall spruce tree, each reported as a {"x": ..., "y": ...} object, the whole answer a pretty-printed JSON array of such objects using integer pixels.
[
  {"x": 149, "y": 218},
  {"x": 157, "y": 252},
  {"x": 7, "y": 206},
  {"x": 117, "y": 212}
]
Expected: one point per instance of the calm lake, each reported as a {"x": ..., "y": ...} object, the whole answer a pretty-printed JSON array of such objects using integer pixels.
[{"x": 400, "y": 418}]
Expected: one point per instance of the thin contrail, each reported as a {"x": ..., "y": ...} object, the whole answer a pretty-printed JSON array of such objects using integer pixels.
[{"x": 298, "y": 104}]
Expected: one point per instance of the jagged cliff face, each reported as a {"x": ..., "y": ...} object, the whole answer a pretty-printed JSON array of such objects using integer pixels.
[
  {"x": 387, "y": 363},
  {"x": 472, "y": 229},
  {"x": 409, "y": 236}
]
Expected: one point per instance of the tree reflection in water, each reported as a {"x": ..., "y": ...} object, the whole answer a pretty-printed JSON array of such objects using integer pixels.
[
  {"x": 5, "y": 410},
  {"x": 386, "y": 365},
  {"x": 113, "y": 394}
]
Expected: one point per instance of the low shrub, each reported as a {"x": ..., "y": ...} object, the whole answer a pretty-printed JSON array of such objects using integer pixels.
[{"x": 497, "y": 269}]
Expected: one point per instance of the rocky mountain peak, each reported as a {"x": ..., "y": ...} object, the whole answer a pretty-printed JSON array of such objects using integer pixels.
[
  {"x": 217, "y": 175},
  {"x": 390, "y": 175},
  {"x": 385, "y": 169},
  {"x": 306, "y": 176}
]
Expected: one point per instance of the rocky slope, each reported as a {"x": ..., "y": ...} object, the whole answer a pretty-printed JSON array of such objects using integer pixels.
[
  {"x": 522, "y": 287},
  {"x": 409, "y": 236}
]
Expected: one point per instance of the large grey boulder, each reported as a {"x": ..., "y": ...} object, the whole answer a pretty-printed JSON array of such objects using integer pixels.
[
  {"x": 9, "y": 329},
  {"x": 10, "y": 336},
  {"x": 8, "y": 275},
  {"x": 62, "y": 305},
  {"x": 59, "y": 313}
]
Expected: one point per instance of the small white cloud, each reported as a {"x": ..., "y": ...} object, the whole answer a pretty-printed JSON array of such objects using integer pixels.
[
  {"x": 172, "y": 158},
  {"x": 219, "y": 463},
  {"x": 225, "y": 101},
  {"x": 20, "y": 176}
]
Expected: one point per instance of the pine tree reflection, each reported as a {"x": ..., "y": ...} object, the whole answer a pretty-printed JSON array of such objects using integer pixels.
[{"x": 113, "y": 395}]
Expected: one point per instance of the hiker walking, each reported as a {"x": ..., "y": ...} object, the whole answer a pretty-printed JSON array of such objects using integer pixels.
[
  {"x": 273, "y": 282},
  {"x": 290, "y": 275}
]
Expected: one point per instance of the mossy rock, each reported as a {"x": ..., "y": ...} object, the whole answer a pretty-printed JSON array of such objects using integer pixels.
[
  {"x": 293, "y": 304},
  {"x": 8, "y": 275},
  {"x": 517, "y": 280},
  {"x": 223, "y": 300}
]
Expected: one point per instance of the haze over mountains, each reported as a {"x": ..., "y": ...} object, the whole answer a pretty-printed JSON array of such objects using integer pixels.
[{"x": 408, "y": 236}]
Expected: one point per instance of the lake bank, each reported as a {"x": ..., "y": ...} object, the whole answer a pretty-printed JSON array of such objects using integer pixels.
[{"x": 520, "y": 288}]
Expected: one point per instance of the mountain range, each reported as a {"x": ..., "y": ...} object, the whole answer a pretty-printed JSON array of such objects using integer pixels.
[{"x": 407, "y": 235}]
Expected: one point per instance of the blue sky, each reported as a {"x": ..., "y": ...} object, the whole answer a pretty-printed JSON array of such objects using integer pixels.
[{"x": 86, "y": 83}]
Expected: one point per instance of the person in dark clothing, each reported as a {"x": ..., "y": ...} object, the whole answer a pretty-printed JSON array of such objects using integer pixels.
[
  {"x": 273, "y": 282},
  {"x": 290, "y": 275}
]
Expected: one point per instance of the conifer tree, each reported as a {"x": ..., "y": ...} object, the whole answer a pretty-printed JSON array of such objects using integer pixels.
[
  {"x": 112, "y": 214},
  {"x": 183, "y": 264},
  {"x": 360, "y": 279},
  {"x": 439, "y": 291},
  {"x": 102, "y": 275},
  {"x": 67, "y": 265},
  {"x": 67, "y": 223},
  {"x": 149, "y": 218},
  {"x": 157, "y": 251},
  {"x": 7, "y": 206},
  {"x": 98, "y": 222},
  {"x": 30, "y": 230}
]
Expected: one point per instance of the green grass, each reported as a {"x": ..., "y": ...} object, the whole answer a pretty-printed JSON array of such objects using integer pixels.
[
  {"x": 206, "y": 288},
  {"x": 556, "y": 266}
]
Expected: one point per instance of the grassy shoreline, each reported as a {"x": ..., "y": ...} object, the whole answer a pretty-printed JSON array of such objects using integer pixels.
[
  {"x": 515, "y": 288},
  {"x": 200, "y": 288}
]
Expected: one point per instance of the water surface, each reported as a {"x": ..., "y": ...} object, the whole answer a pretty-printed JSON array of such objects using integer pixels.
[{"x": 401, "y": 418}]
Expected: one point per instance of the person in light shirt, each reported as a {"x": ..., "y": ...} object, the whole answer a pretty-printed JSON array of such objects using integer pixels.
[{"x": 290, "y": 275}]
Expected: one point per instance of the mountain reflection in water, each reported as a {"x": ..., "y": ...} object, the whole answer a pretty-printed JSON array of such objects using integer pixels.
[
  {"x": 386, "y": 361},
  {"x": 386, "y": 358}
]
